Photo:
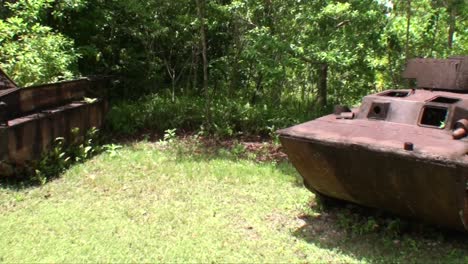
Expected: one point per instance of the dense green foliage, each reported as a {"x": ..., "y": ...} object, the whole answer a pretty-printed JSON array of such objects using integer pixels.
[
  {"x": 31, "y": 51},
  {"x": 228, "y": 117},
  {"x": 243, "y": 52}
]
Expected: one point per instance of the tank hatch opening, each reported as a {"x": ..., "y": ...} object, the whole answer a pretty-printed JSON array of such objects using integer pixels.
[
  {"x": 444, "y": 100},
  {"x": 395, "y": 94},
  {"x": 378, "y": 110},
  {"x": 434, "y": 116}
]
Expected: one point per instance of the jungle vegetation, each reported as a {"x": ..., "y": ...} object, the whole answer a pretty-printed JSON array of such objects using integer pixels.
[
  {"x": 213, "y": 68},
  {"x": 227, "y": 66}
]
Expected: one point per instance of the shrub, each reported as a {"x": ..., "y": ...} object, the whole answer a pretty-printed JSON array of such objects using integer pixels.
[
  {"x": 228, "y": 117},
  {"x": 65, "y": 153},
  {"x": 30, "y": 52}
]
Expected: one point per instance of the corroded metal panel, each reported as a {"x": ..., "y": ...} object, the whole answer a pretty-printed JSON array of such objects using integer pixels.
[
  {"x": 417, "y": 188},
  {"x": 446, "y": 74},
  {"x": 32, "y": 118},
  {"x": 30, "y": 136}
]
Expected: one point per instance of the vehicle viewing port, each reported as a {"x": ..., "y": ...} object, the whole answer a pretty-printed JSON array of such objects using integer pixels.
[
  {"x": 395, "y": 94},
  {"x": 443, "y": 99},
  {"x": 378, "y": 110},
  {"x": 434, "y": 116}
]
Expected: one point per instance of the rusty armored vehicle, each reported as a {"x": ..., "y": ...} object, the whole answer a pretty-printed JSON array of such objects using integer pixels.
[
  {"x": 32, "y": 118},
  {"x": 404, "y": 151}
]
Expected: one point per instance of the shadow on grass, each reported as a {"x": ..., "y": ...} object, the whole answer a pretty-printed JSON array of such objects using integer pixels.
[
  {"x": 26, "y": 180},
  {"x": 16, "y": 184},
  {"x": 375, "y": 236}
]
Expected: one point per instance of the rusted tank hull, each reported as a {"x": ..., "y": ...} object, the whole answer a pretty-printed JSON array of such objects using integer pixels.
[
  {"x": 428, "y": 189},
  {"x": 404, "y": 151},
  {"x": 32, "y": 118},
  {"x": 27, "y": 138}
]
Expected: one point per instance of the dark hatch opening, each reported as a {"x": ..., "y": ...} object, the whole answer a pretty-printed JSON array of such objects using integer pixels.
[
  {"x": 395, "y": 94},
  {"x": 445, "y": 100},
  {"x": 378, "y": 110},
  {"x": 434, "y": 116}
]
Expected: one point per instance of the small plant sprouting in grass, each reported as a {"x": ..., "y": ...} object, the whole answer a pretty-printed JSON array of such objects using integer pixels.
[
  {"x": 238, "y": 149},
  {"x": 19, "y": 197},
  {"x": 273, "y": 135},
  {"x": 111, "y": 149},
  {"x": 169, "y": 135}
]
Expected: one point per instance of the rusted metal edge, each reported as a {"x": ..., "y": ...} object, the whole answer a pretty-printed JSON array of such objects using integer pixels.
[
  {"x": 38, "y": 86},
  {"x": 52, "y": 111},
  {"x": 23, "y": 101},
  {"x": 8, "y": 91},
  {"x": 3, "y": 143},
  {"x": 6, "y": 82},
  {"x": 384, "y": 150}
]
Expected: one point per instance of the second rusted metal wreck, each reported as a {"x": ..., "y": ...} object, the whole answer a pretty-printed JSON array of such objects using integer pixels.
[
  {"x": 405, "y": 151},
  {"x": 32, "y": 118}
]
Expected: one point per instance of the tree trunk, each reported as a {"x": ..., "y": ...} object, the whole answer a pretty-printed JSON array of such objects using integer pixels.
[
  {"x": 452, "y": 20},
  {"x": 201, "y": 17},
  {"x": 235, "y": 82},
  {"x": 173, "y": 89},
  {"x": 436, "y": 30},
  {"x": 258, "y": 89},
  {"x": 322, "y": 85},
  {"x": 408, "y": 24},
  {"x": 190, "y": 74},
  {"x": 195, "y": 69}
]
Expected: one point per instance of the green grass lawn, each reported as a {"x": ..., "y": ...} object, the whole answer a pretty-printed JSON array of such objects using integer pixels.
[{"x": 170, "y": 203}]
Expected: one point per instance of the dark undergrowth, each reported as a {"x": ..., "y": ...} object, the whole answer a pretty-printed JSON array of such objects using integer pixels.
[{"x": 225, "y": 118}]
